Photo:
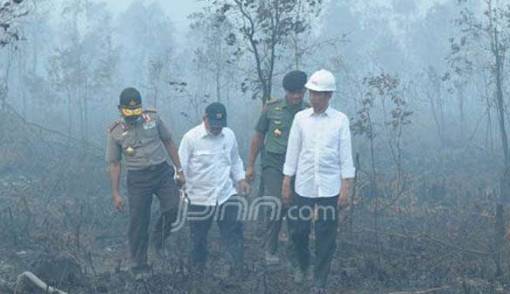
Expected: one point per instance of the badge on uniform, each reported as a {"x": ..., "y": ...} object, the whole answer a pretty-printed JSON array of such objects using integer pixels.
[
  {"x": 130, "y": 151},
  {"x": 149, "y": 124}
]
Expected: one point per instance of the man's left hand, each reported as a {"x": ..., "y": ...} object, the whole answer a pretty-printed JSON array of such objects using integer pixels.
[
  {"x": 243, "y": 187},
  {"x": 343, "y": 200}
]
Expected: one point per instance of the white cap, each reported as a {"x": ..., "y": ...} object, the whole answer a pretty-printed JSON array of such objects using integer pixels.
[{"x": 322, "y": 81}]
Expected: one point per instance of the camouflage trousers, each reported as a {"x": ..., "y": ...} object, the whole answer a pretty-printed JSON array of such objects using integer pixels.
[{"x": 272, "y": 179}]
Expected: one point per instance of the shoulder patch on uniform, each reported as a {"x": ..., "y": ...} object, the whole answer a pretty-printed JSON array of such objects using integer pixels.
[
  {"x": 150, "y": 110},
  {"x": 150, "y": 115},
  {"x": 114, "y": 125},
  {"x": 270, "y": 104},
  {"x": 272, "y": 101}
]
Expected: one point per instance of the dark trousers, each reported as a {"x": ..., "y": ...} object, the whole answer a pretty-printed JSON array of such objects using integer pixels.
[
  {"x": 323, "y": 213},
  {"x": 142, "y": 185},
  {"x": 272, "y": 179},
  {"x": 228, "y": 217}
]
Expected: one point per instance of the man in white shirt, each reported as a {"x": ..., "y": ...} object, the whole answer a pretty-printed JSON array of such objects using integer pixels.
[
  {"x": 319, "y": 156},
  {"x": 210, "y": 158}
]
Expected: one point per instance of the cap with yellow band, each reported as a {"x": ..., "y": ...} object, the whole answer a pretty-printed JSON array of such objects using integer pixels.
[
  {"x": 130, "y": 103},
  {"x": 127, "y": 112}
]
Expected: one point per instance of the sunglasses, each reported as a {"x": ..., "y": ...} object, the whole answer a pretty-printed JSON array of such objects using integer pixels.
[{"x": 127, "y": 112}]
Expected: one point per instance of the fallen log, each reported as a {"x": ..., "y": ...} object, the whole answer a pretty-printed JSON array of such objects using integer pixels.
[
  {"x": 428, "y": 291},
  {"x": 34, "y": 280}
]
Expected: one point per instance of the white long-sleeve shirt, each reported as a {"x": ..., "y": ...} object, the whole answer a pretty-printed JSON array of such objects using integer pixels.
[
  {"x": 211, "y": 164},
  {"x": 319, "y": 153}
]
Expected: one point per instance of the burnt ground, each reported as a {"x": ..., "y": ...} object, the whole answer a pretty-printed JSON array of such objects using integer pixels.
[
  {"x": 56, "y": 220},
  {"x": 79, "y": 246}
]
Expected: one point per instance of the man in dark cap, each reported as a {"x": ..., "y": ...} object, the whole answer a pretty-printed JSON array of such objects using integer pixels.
[
  {"x": 214, "y": 174},
  {"x": 271, "y": 135},
  {"x": 144, "y": 142}
]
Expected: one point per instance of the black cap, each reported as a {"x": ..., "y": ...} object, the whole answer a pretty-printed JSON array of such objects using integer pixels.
[
  {"x": 216, "y": 114},
  {"x": 294, "y": 81},
  {"x": 130, "y": 98}
]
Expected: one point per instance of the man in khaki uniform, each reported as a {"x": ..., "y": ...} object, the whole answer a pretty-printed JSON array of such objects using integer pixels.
[
  {"x": 144, "y": 142},
  {"x": 272, "y": 133}
]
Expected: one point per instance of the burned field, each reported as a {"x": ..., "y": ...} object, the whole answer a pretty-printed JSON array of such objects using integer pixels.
[{"x": 439, "y": 234}]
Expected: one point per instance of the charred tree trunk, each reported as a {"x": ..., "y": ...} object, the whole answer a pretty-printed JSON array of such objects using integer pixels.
[{"x": 504, "y": 180}]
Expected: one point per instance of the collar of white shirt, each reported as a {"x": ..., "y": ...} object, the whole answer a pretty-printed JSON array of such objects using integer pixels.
[
  {"x": 326, "y": 112},
  {"x": 203, "y": 132}
]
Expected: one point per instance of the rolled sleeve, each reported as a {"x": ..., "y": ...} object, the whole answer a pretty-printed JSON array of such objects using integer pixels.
[
  {"x": 237, "y": 173},
  {"x": 113, "y": 150},
  {"x": 293, "y": 149},
  {"x": 346, "y": 163},
  {"x": 184, "y": 154},
  {"x": 263, "y": 123}
]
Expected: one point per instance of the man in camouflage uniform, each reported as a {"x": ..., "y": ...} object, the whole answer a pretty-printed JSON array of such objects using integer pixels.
[
  {"x": 271, "y": 135},
  {"x": 144, "y": 142}
]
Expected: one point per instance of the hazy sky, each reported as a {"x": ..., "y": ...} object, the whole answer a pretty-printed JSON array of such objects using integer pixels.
[{"x": 178, "y": 10}]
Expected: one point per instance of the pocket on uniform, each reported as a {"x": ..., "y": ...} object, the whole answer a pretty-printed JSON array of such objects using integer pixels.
[{"x": 150, "y": 132}]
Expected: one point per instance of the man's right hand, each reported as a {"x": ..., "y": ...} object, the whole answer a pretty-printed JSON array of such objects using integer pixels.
[
  {"x": 250, "y": 174},
  {"x": 286, "y": 191},
  {"x": 117, "y": 201},
  {"x": 180, "y": 179}
]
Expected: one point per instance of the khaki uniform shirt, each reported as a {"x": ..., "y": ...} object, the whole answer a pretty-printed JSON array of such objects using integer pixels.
[
  {"x": 139, "y": 144},
  {"x": 275, "y": 123}
]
